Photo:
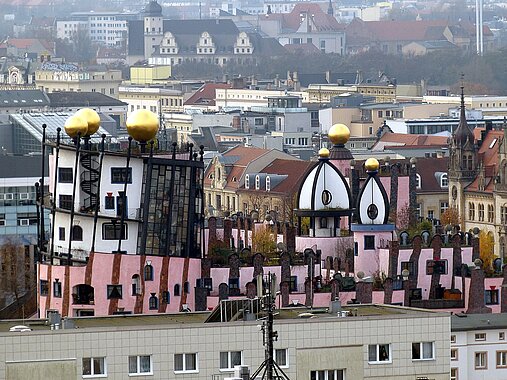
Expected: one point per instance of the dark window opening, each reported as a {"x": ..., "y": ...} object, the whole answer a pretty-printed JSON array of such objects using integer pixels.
[
  {"x": 114, "y": 292},
  {"x": 65, "y": 175},
  {"x": 369, "y": 242},
  {"x": 177, "y": 290},
  {"x": 148, "y": 272},
  {"x": 118, "y": 175}
]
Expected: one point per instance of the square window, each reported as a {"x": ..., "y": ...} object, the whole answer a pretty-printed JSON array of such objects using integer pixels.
[
  {"x": 491, "y": 297},
  {"x": 140, "y": 365},
  {"x": 379, "y": 353},
  {"x": 230, "y": 359},
  {"x": 114, "y": 292},
  {"x": 185, "y": 363},
  {"x": 118, "y": 175},
  {"x": 480, "y": 336},
  {"x": 423, "y": 351},
  {"x": 94, "y": 367},
  {"x": 65, "y": 175},
  {"x": 369, "y": 242},
  {"x": 65, "y": 201}
]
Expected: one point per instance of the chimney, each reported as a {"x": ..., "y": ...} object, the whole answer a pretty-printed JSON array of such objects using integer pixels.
[{"x": 328, "y": 76}]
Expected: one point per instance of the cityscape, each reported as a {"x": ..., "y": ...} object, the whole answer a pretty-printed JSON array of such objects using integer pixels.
[{"x": 253, "y": 189}]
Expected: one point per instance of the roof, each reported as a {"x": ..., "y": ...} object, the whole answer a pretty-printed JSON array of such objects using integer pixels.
[
  {"x": 26, "y": 43},
  {"x": 467, "y": 322},
  {"x": 292, "y": 21},
  {"x": 82, "y": 99},
  {"x": 23, "y": 98},
  {"x": 408, "y": 141},
  {"x": 430, "y": 170},
  {"x": 206, "y": 95},
  {"x": 488, "y": 159},
  {"x": 305, "y": 49},
  {"x": 153, "y": 9}
]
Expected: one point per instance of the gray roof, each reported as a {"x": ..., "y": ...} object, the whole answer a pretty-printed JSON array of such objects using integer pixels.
[
  {"x": 82, "y": 99},
  {"x": 466, "y": 322},
  {"x": 23, "y": 98}
]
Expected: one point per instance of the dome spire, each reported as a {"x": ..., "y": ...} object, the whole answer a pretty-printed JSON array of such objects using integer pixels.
[{"x": 463, "y": 132}]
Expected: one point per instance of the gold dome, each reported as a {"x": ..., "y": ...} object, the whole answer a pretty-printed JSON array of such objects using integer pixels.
[
  {"x": 142, "y": 125},
  {"x": 324, "y": 153},
  {"x": 339, "y": 134},
  {"x": 75, "y": 126},
  {"x": 91, "y": 117},
  {"x": 371, "y": 165}
]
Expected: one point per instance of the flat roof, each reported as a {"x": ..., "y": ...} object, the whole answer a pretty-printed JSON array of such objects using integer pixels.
[{"x": 466, "y": 322}]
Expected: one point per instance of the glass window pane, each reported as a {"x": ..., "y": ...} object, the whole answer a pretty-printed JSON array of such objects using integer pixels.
[
  {"x": 372, "y": 353},
  {"x": 383, "y": 352},
  {"x": 235, "y": 358},
  {"x": 322, "y": 375},
  {"x": 416, "y": 350},
  {"x": 280, "y": 357},
  {"x": 98, "y": 366},
  {"x": 313, "y": 375},
  {"x": 144, "y": 362},
  {"x": 224, "y": 360},
  {"x": 178, "y": 362},
  {"x": 330, "y": 375},
  {"x": 132, "y": 364},
  {"x": 191, "y": 362},
  {"x": 87, "y": 366},
  {"x": 428, "y": 350}
]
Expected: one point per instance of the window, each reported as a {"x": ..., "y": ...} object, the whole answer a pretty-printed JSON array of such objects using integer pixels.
[
  {"x": 114, "y": 292},
  {"x": 61, "y": 233},
  {"x": 481, "y": 212},
  {"x": 44, "y": 288},
  {"x": 379, "y": 353},
  {"x": 185, "y": 363},
  {"x": 140, "y": 365},
  {"x": 436, "y": 266},
  {"x": 480, "y": 336},
  {"x": 491, "y": 214},
  {"x": 454, "y": 374},
  {"x": 431, "y": 214},
  {"x": 501, "y": 359},
  {"x": 186, "y": 287},
  {"x": 444, "y": 181},
  {"x": 369, "y": 242},
  {"x": 94, "y": 367},
  {"x": 323, "y": 222},
  {"x": 481, "y": 360},
  {"x": 268, "y": 183},
  {"x": 136, "y": 285},
  {"x": 471, "y": 211},
  {"x": 247, "y": 181},
  {"x": 109, "y": 202},
  {"x": 77, "y": 233},
  {"x": 148, "y": 272},
  {"x": 417, "y": 181},
  {"x": 454, "y": 354},
  {"x": 293, "y": 286},
  {"x": 153, "y": 302},
  {"x": 166, "y": 297},
  {"x": 453, "y": 338},
  {"x": 328, "y": 374},
  {"x": 257, "y": 182},
  {"x": 282, "y": 357},
  {"x": 423, "y": 351},
  {"x": 444, "y": 205},
  {"x": 65, "y": 175},
  {"x": 501, "y": 336},
  {"x": 118, "y": 175},
  {"x": 57, "y": 288},
  {"x": 233, "y": 283},
  {"x": 111, "y": 231},
  {"x": 230, "y": 359},
  {"x": 491, "y": 297},
  {"x": 65, "y": 202},
  {"x": 177, "y": 290}
]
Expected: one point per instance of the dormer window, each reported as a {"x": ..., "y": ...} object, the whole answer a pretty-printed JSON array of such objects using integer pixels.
[
  {"x": 247, "y": 181},
  {"x": 417, "y": 181},
  {"x": 444, "y": 181},
  {"x": 268, "y": 184},
  {"x": 257, "y": 182}
]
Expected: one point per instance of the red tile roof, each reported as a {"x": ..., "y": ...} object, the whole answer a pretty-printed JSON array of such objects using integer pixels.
[
  {"x": 295, "y": 171},
  {"x": 305, "y": 49},
  {"x": 206, "y": 95},
  {"x": 292, "y": 20},
  {"x": 488, "y": 158},
  {"x": 428, "y": 168},
  {"x": 410, "y": 141}
]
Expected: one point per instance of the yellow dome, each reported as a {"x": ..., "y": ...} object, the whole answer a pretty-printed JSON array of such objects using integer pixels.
[
  {"x": 339, "y": 134},
  {"x": 324, "y": 153},
  {"x": 91, "y": 117},
  {"x": 371, "y": 165},
  {"x": 75, "y": 126},
  {"x": 142, "y": 125}
]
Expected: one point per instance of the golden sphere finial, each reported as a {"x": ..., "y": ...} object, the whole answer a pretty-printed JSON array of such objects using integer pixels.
[
  {"x": 339, "y": 134},
  {"x": 75, "y": 126},
  {"x": 324, "y": 153},
  {"x": 142, "y": 125},
  {"x": 371, "y": 165},
  {"x": 91, "y": 117}
]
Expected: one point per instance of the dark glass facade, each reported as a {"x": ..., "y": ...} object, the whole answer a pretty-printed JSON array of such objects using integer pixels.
[{"x": 172, "y": 210}]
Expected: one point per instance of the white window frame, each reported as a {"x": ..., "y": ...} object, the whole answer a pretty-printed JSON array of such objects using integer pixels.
[
  {"x": 268, "y": 183},
  {"x": 24, "y": 222},
  {"x": 483, "y": 361},
  {"x": 138, "y": 366},
  {"x": 480, "y": 337},
  {"x": 92, "y": 367},
  {"x": 247, "y": 181},
  {"x": 444, "y": 181},
  {"x": 24, "y": 196},
  {"x": 377, "y": 347},
  {"x": 229, "y": 360},
  {"x": 421, "y": 351},
  {"x": 418, "y": 181},
  {"x": 454, "y": 354},
  {"x": 196, "y": 370},
  {"x": 257, "y": 182},
  {"x": 502, "y": 363},
  {"x": 453, "y": 338},
  {"x": 456, "y": 374},
  {"x": 326, "y": 373},
  {"x": 286, "y": 350}
]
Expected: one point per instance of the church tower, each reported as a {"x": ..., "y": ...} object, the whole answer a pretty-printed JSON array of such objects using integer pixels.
[
  {"x": 153, "y": 27},
  {"x": 463, "y": 160}
]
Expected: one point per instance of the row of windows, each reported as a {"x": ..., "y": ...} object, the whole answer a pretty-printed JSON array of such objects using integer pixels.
[
  {"x": 444, "y": 181},
  {"x": 481, "y": 337},
  {"x": 481, "y": 212},
  {"x": 118, "y": 175},
  {"x": 110, "y": 231},
  {"x": 382, "y": 353},
  {"x": 183, "y": 363}
]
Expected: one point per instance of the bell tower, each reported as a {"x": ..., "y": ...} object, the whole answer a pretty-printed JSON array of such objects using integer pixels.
[
  {"x": 153, "y": 27},
  {"x": 463, "y": 160}
]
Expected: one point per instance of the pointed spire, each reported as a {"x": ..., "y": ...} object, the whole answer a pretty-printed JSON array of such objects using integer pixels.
[
  {"x": 463, "y": 132},
  {"x": 330, "y": 10}
]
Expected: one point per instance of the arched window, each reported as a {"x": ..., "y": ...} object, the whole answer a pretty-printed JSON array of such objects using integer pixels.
[
  {"x": 247, "y": 181},
  {"x": 257, "y": 182},
  {"x": 481, "y": 212},
  {"x": 136, "y": 285},
  {"x": 444, "y": 181},
  {"x": 323, "y": 222},
  {"x": 417, "y": 181},
  {"x": 176, "y": 290},
  {"x": 153, "y": 302},
  {"x": 268, "y": 183},
  {"x": 186, "y": 287},
  {"x": 470, "y": 165},
  {"x": 464, "y": 162},
  {"x": 219, "y": 174},
  {"x": 77, "y": 233},
  {"x": 491, "y": 214},
  {"x": 471, "y": 211},
  {"x": 148, "y": 272}
]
